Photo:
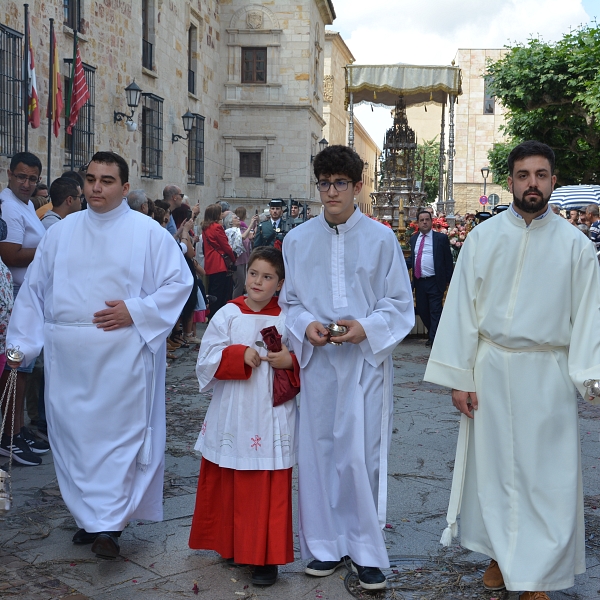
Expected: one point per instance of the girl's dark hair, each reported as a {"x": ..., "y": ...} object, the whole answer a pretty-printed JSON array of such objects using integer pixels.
[
  {"x": 162, "y": 204},
  {"x": 181, "y": 214},
  {"x": 270, "y": 255},
  {"x": 212, "y": 214},
  {"x": 339, "y": 160}
]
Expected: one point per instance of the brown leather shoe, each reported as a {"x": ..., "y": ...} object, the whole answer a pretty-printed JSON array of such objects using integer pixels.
[
  {"x": 534, "y": 596},
  {"x": 492, "y": 578}
]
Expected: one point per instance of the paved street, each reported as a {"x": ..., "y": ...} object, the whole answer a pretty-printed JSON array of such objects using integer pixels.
[{"x": 38, "y": 560}]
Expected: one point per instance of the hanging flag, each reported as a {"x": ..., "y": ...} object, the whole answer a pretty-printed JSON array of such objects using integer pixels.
[
  {"x": 80, "y": 93},
  {"x": 33, "y": 110},
  {"x": 55, "y": 102}
]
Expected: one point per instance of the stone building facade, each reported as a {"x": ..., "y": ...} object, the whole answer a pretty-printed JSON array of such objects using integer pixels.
[
  {"x": 251, "y": 73},
  {"x": 337, "y": 56},
  {"x": 478, "y": 118}
]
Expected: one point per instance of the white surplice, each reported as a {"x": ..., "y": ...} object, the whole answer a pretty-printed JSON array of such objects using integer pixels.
[
  {"x": 353, "y": 271},
  {"x": 242, "y": 429},
  {"x": 99, "y": 383},
  {"x": 520, "y": 327}
]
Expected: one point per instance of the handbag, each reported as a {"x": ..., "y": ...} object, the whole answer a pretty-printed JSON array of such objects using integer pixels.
[
  {"x": 283, "y": 388},
  {"x": 229, "y": 264}
]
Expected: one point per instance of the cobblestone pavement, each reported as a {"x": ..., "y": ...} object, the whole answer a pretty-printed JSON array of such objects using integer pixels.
[{"x": 38, "y": 560}]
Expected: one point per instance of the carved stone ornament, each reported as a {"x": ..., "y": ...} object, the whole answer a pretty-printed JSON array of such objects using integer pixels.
[
  {"x": 328, "y": 88},
  {"x": 254, "y": 20}
]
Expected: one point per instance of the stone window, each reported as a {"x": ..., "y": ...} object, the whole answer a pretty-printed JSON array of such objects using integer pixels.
[
  {"x": 152, "y": 136},
  {"x": 250, "y": 164},
  {"x": 196, "y": 152},
  {"x": 192, "y": 60},
  {"x": 72, "y": 14},
  {"x": 254, "y": 65},
  {"x": 80, "y": 143},
  {"x": 489, "y": 101},
  {"x": 11, "y": 118},
  {"x": 148, "y": 34}
]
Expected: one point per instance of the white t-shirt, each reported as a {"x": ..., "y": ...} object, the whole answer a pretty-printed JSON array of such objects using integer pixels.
[{"x": 24, "y": 228}]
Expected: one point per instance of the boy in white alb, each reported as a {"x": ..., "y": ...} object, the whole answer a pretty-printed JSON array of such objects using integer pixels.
[
  {"x": 346, "y": 268},
  {"x": 244, "y": 500}
]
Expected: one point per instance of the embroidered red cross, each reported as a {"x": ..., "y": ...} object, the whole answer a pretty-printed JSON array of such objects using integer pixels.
[
  {"x": 203, "y": 431},
  {"x": 256, "y": 439}
]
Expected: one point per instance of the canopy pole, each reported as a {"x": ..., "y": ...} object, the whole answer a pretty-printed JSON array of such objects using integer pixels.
[
  {"x": 451, "y": 153},
  {"x": 440, "y": 202},
  {"x": 351, "y": 122}
]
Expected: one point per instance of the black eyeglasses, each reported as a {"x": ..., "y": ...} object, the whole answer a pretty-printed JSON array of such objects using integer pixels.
[
  {"x": 22, "y": 178},
  {"x": 341, "y": 185}
]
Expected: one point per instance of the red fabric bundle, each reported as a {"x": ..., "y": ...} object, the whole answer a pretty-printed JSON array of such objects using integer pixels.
[{"x": 283, "y": 388}]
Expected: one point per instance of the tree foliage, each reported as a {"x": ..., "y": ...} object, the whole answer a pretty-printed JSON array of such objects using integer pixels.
[
  {"x": 552, "y": 94},
  {"x": 429, "y": 150},
  {"x": 497, "y": 159}
]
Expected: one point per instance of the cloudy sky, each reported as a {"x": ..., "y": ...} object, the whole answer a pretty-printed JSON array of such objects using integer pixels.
[{"x": 430, "y": 31}]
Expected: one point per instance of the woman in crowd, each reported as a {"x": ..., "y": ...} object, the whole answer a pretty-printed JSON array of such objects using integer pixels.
[
  {"x": 215, "y": 247},
  {"x": 182, "y": 215},
  {"x": 239, "y": 277}
]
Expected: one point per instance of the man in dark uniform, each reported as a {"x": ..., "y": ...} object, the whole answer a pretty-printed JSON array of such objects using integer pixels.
[
  {"x": 294, "y": 219},
  {"x": 274, "y": 228}
]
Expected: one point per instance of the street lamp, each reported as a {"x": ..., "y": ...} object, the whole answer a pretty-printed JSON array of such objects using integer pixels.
[
  {"x": 133, "y": 92},
  {"x": 323, "y": 143},
  {"x": 485, "y": 171},
  {"x": 188, "y": 124}
]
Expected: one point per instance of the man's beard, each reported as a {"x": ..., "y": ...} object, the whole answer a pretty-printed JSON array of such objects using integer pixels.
[{"x": 531, "y": 206}]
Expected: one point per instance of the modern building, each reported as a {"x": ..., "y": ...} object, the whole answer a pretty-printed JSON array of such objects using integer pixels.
[
  {"x": 478, "y": 121},
  {"x": 249, "y": 75}
]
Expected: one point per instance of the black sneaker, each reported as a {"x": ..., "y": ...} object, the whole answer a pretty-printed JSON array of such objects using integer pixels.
[
  {"x": 20, "y": 451},
  {"x": 370, "y": 578},
  {"x": 35, "y": 444},
  {"x": 264, "y": 575},
  {"x": 323, "y": 568}
]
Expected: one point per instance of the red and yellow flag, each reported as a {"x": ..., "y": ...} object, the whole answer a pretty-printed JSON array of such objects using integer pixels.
[
  {"x": 79, "y": 91},
  {"x": 55, "y": 102},
  {"x": 33, "y": 110}
]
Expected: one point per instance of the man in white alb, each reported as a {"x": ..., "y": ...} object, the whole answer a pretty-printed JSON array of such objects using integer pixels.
[
  {"x": 104, "y": 290},
  {"x": 517, "y": 336}
]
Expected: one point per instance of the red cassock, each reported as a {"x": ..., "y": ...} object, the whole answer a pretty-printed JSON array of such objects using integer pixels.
[{"x": 245, "y": 515}]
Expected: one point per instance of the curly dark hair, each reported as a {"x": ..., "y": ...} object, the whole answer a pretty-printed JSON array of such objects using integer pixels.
[
  {"x": 271, "y": 255},
  {"x": 339, "y": 160}
]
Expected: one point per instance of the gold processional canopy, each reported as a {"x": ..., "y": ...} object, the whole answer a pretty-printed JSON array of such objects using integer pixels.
[{"x": 418, "y": 85}]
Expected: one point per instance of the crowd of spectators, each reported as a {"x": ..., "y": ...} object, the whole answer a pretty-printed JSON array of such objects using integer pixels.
[{"x": 28, "y": 210}]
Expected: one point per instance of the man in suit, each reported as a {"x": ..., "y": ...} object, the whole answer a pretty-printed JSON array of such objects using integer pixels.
[
  {"x": 272, "y": 231},
  {"x": 432, "y": 265}
]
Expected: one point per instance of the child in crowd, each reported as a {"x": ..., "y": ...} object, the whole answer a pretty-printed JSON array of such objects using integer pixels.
[{"x": 244, "y": 499}]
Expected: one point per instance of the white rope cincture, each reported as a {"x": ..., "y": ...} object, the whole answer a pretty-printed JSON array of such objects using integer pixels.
[
  {"x": 458, "y": 482},
  {"x": 10, "y": 392}
]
